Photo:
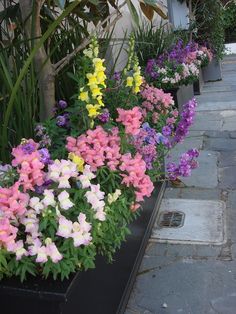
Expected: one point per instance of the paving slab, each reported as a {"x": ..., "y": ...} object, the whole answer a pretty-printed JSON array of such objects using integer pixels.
[
  {"x": 227, "y": 177},
  {"x": 188, "y": 286},
  {"x": 203, "y": 222},
  {"x": 192, "y": 193},
  {"x": 220, "y": 144},
  {"x": 227, "y": 159}
]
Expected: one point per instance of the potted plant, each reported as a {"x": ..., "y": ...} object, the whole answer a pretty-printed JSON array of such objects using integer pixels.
[{"x": 210, "y": 30}]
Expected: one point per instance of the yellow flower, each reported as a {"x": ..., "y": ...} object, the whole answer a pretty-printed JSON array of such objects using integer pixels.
[
  {"x": 78, "y": 161},
  {"x": 129, "y": 81},
  {"x": 101, "y": 77},
  {"x": 93, "y": 110},
  {"x": 96, "y": 92},
  {"x": 92, "y": 79},
  {"x": 136, "y": 89},
  {"x": 84, "y": 96},
  {"x": 98, "y": 63},
  {"x": 100, "y": 102}
]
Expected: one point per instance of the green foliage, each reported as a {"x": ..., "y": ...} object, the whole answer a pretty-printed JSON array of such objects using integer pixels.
[
  {"x": 230, "y": 22},
  {"x": 151, "y": 41},
  {"x": 210, "y": 25}
]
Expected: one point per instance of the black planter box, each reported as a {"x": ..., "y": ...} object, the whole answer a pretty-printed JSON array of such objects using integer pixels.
[
  {"x": 174, "y": 93},
  {"x": 104, "y": 290}
]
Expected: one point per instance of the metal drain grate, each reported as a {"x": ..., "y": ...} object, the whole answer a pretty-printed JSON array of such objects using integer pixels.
[{"x": 171, "y": 219}]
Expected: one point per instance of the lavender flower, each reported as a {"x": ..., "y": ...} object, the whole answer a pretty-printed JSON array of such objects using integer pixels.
[
  {"x": 28, "y": 148},
  {"x": 63, "y": 120},
  {"x": 62, "y": 104},
  {"x": 104, "y": 116},
  {"x": 117, "y": 76},
  {"x": 186, "y": 164},
  {"x": 44, "y": 156},
  {"x": 39, "y": 130},
  {"x": 40, "y": 189}
]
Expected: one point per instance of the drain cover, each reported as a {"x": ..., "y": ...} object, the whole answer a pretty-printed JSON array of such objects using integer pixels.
[{"x": 171, "y": 219}]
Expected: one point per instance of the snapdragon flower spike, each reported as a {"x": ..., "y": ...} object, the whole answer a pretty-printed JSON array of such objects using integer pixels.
[
  {"x": 186, "y": 164},
  {"x": 29, "y": 166},
  {"x": 95, "y": 198},
  {"x": 186, "y": 120}
]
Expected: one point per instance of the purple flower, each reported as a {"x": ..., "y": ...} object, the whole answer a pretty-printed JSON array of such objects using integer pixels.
[
  {"x": 40, "y": 189},
  {"x": 104, "y": 116},
  {"x": 46, "y": 141},
  {"x": 62, "y": 104},
  {"x": 28, "y": 148},
  {"x": 117, "y": 76},
  {"x": 185, "y": 166},
  {"x": 63, "y": 120},
  {"x": 166, "y": 130},
  {"x": 44, "y": 156},
  {"x": 39, "y": 130}
]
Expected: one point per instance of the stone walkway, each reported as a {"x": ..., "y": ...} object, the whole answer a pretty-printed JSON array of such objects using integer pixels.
[{"x": 196, "y": 278}]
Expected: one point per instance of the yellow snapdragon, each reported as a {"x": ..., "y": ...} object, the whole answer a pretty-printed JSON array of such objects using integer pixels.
[
  {"x": 92, "y": 93},
  {"x": 77, "y": 160}
]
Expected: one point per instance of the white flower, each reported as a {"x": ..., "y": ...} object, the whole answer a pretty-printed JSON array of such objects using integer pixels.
[
  {"x": 49, "y": 199},
  {"x": 64, "y": 200}
]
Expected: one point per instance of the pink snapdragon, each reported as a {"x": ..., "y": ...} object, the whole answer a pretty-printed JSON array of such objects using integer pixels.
[
  {"x": 7, "y": 232},
  {"x": 12, "y": 201},
  {"x": 155, "y": 96},
  {"x": 27, "y": 160},
  {"x": 97, "y": 147},
  {"x": 131, "y": 119},
  {"x": 135, "y": 176}
]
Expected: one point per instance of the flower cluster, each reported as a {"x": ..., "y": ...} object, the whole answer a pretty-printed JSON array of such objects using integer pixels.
[
  {"x": 186, "y": 120},
  {"x": 97, "y": 147},
  {"x": 178, "y": 66},
  {"x": 134, "y": 169},
  {"x": 186, "y": 164},
  {"x": 131, "y": 119},
  {"x": 91, "y": 94}
]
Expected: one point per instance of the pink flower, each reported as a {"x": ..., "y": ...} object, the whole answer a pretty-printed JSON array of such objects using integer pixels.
[
  {"x": 52, "y": 251},
  {"x": 29, "y": 166},
  {"x": 131, "y": 119},
  {"x": 134, "y": 175},
  {"x": 7, "y": 232},
  {"x": 65, "y": 202},
  {"x": 97, "y": 147},
  {"x": 12, "y": 201}
]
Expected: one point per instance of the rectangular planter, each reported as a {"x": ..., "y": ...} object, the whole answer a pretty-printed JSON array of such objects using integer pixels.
[
  {"x": 198, "y": 85},
  {"x": 184, "y": 94},
  {"x": 212, "y": 72},
  {"x": 104, "y": 290}
]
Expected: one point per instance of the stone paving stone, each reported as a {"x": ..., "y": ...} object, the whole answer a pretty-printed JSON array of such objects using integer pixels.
[
  {"x": 232, "y": 134},
  {"x": 150, "y": 263},
  {"x": 156, "y": 249},
  {"x": 218, "y": 134},
  {"x": 208, "y": 250},
  {"x": 216, "y": 105},
  {"x": 188, "y": 286},
  {"x": 208, "y": 125},
  {"x": 181, "y": 250},
  {"x": 195, "y": 134},
  {"x": 192, "y": 193},
  {"x": 220, "y": 144},
  {"x": 227, "y": 177},
  {"x": 227, "y": 159}
]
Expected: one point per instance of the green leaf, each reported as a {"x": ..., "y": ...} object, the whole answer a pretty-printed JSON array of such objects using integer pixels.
[{"x": 133, "y": 12}]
